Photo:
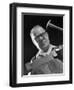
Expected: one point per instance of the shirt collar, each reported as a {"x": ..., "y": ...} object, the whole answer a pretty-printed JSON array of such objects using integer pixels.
[{"x": 45, "y": 53}]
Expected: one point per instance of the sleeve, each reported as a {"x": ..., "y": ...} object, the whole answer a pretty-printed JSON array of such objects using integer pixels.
[
  {"x": 56, "y": 66},
  {"x": 51, "y": 67},
  {"x": 28, "y": 65},
  {"x": 45, "y": 68}
]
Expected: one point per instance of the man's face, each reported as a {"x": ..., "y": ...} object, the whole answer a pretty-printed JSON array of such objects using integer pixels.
[{"x": 43, "y": 40}]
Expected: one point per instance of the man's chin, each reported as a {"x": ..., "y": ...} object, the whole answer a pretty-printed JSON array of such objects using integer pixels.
[{"x": 44, "y": 47}]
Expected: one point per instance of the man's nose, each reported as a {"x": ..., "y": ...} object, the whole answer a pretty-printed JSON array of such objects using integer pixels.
[{"x": 41, "y": 38}]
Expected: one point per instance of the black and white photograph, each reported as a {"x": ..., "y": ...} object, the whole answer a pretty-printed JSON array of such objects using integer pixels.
[
  {"x": 43, "y": 44},
  {"x": 40, "y": 42}
]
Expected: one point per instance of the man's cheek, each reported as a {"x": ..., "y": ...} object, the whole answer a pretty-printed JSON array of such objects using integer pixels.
[{"x": 40, "y": 45}]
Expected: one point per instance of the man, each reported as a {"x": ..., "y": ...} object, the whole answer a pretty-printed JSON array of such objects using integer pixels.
[{"x": 44, "y": 62}]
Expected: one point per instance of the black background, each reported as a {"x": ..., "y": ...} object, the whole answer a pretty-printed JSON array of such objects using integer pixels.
[{"x": 30, "y": 20}]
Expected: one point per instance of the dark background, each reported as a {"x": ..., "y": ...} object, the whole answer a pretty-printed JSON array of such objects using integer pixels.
[
  {"x": 56, "y": 36},
  {"x": 28, "y": 22}
]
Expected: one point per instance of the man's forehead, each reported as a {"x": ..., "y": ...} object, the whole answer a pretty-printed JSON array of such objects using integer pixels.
[{"x": 38, "y": 31}]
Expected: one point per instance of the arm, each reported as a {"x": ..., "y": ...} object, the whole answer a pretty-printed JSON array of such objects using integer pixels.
[{"x": 28, "y": 67}]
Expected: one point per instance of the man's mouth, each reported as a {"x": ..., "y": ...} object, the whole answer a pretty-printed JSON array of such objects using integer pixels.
[{"x": 44, "y": 43}]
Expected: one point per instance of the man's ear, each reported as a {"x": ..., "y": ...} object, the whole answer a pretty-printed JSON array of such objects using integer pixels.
[{"x": 47, "y": 34}]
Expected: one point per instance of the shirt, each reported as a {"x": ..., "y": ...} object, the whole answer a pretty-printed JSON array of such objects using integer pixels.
[
  {"x": 48, "y": 52},
  {"x": 45, "y": 63}
]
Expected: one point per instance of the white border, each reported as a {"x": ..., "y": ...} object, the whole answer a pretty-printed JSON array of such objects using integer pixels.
[{"x": 43, "y": 78}]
